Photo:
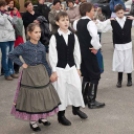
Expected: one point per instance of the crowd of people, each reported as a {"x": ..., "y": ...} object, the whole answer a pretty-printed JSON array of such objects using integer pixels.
[{"x": 72, "y": 40}]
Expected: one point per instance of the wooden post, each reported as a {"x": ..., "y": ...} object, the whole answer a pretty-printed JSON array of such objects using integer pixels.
[{"x": 22, "y": 9}]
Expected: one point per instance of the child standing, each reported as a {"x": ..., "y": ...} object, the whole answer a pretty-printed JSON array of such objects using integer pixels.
[
  {"x": 65, "y": 59},
  {"x": 90, "y": 45},
  {"x": 36, "y": 98},
  {"x": 122, "y": 57}
]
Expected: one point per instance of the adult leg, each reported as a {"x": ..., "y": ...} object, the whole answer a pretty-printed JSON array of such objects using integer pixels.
[
  {"x": 4, "y": 50},
  {"x": 10, "y": 63}
]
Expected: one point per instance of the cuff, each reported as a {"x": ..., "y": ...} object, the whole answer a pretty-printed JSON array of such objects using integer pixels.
[
  {"x": 78, "y": 66},
  {"x": 54, "y": 69}
]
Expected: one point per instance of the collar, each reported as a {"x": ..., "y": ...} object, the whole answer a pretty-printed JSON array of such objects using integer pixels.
[
  {"x": 123, "y": 19},
  {"x": 86, "y": 17},
  {"x": 62, "y": 33}
]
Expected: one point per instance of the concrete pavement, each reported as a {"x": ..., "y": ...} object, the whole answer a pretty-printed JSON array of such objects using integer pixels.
[{"x": 116, "y": 118}]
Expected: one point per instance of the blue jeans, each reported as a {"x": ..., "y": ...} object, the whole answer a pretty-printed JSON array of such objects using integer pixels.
[{"x": 7, "y": 64}]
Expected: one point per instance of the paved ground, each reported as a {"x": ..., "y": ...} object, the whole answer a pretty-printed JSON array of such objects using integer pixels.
[{"x": 116, "y": 118}]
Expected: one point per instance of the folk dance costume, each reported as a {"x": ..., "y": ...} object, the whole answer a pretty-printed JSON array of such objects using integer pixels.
[
  {"x": 35, "y": 98},
  {"x": 123, "y": 56},
  {"x": 91, "y": 71},
  {"x": 65, "y": 59}
]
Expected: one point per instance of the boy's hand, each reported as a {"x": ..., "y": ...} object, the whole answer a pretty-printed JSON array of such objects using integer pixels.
[
  {"x": 25, "y": 66},
  {"x": 53, "y": 77},
  {"x": 79, "y": 72},
  {"x": 131, "y": 17},
  {"x": 112, "y": 18},
  {"x": 94, "y": 51}
]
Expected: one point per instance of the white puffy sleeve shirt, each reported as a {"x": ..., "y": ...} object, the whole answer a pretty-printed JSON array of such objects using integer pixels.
[
  {"x": 92, "y": 29},
  {"x": 53, "y": 54}
]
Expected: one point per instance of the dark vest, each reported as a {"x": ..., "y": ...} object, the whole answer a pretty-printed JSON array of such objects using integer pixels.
[
  {"x": 121, "y": 35},
  {"x": 89, "y": 67},
  {"x": 65, "y": 51},
  {"x": 84, "y": 36}
]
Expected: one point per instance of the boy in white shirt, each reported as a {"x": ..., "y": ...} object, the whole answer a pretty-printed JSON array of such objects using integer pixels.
[{"x": 122, "y": 57}]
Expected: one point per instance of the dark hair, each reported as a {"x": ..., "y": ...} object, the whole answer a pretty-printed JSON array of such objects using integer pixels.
[
  {"x": 27, "y": 3},
  {"x": 2, "y": 3},
  {"x": 56, "y": 1},
  {"x": 118, "y": 8},
  {"x": 32, "y": 26},
  {"x": 71, "y": 1},
  {"x": 61, "y": 14},
  {"x": 85, "y": 7},
  {"x": 8, "y": 1}
]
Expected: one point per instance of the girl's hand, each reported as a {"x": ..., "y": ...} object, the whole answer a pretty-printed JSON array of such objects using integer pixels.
[
  {"x": 79, "y": 72},
  {"x": 14, "y": 103},
  {"x": 25, "y": 66},
  {"x": 53, "y": 77},
  {"x": 94, "y": 51}
]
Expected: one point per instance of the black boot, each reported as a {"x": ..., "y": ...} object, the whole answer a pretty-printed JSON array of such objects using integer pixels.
[
  {"x": 129, "y": 80},
  {"x": 93, "y": 104},
  {"x": 62, "y": 119},
  {"x": 85, "y": 86},
  {"x": 119, "y": 83},
  {"x": 76, "y": 111}
]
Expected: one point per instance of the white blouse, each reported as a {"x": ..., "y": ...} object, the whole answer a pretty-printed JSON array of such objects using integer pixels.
[
  {"x": 106, "y": 26},
  {"x": 91, "y": 27},
  {"x": 53, "y": 54}
]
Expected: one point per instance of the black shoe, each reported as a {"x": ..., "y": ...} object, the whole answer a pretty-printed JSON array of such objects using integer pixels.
[
  {"x": 47, "y": 123},
  {"x": 81, "y": 114},
  {"x": 64, "y": 121},
  {"x": 37, "y": 129},
  {"x": 95, "y": 105},
  {"x": 119, "y": 84}
]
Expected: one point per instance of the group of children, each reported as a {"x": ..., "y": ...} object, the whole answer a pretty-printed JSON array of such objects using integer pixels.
[{"x": 43, "y": 91}]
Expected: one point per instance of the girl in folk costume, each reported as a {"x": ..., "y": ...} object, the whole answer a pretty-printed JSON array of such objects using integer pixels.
[
  {"x": 90, "y": 46},
  {"x": 36, "y": 98},
  {"x": 65, "y": 60},
  {"x": 122, "y": 57}
]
